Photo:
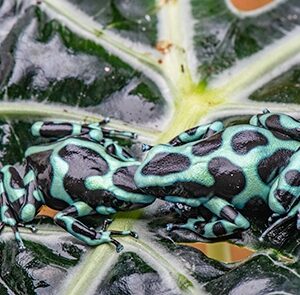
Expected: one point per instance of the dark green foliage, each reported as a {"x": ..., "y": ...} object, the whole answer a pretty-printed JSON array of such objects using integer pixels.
[
  {"x": 285, "y": 88},
  {"x": 222, "y": 37}
]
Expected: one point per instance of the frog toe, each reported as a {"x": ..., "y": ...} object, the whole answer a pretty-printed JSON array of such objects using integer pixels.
[
  {"x": 146, "y": 147},
  {"x": 105, "y": 120},
  {"x": 134, "y": 234},
  {"x": 33, "y": 229},
  {"x": 171, "y": 226}
]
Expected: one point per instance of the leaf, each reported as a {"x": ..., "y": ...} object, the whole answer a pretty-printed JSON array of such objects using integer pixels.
[{"x": 157, "y": 68}]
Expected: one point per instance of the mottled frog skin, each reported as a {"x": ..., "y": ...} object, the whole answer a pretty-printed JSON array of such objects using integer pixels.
[
  {"x": 209, "y": 168},
  {"x": 81, "y": 172},
  {"x": 221, "y": 170}
]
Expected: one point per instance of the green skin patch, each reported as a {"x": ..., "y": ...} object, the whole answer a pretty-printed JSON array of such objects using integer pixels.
[{"x": 84, "y": 172}]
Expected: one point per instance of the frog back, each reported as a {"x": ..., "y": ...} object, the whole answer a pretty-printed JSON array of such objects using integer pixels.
[
  {"x": 61, "y": 169},
  {"x": 77, "y": 169},
  {"x": 222, "y": 164}
]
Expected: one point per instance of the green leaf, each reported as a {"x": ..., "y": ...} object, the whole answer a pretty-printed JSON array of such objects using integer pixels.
[{"x": 156, "y": 68}]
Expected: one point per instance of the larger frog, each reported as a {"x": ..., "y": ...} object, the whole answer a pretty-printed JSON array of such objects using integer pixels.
[
  {"x": 222, "y": 169},
  {"x": 81, "y": 172}
]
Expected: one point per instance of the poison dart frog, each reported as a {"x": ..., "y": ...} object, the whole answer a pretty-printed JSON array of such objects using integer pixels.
[
  {"x": 221, "y": 170},
  {"x": 81, "y": 172}
]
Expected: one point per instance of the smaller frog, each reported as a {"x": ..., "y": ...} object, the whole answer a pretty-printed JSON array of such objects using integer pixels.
[
  {"x": 80, "y": 172},
  {"x": 223, "y": 170}
]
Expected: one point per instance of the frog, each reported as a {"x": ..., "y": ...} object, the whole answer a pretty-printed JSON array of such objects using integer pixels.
[
  {"x": 210, "y": 168},
  {"x": 79, "y": 171}
]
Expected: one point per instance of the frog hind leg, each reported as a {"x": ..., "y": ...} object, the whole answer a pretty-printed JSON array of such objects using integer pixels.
[
  {"x": 227, "y": 220},
  {"x": 50, "y": 129},
  {"x": 279, "y": 231},
  {"x": 283, "y": 197},
  {"x": 94, "y": 131},
  {"x": 279, "y": 123},
  {"x": 197, "y": 133},
  {"x": 67, "y": 220}
]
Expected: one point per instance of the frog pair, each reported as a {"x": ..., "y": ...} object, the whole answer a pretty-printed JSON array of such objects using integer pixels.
[{"x": 208, "y": 168}]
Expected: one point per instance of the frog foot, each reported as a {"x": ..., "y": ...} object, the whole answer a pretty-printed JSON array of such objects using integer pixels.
[
  {"x": 105, "y": 120},
  {"x": 18, "y": 238},
  {"x": 29, "y": 226},
  {"x": 109, "y": 237}
]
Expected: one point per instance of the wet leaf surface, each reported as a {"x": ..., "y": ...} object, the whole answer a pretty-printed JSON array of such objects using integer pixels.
[{"x": 156, "y": 68}]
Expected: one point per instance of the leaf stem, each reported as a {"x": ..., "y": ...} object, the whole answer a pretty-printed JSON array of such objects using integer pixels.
[
  {"x": 261, "y": 64},
  {"x": 86, "y": 26},
  {"x": 172, "y": 43}
]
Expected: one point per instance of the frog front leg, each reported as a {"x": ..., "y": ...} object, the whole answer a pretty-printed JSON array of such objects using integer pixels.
[
  {"x": 281, "y": 124},
  {"x": 8, "y": 218},
  {"x": 227, "y": 220},
  {"x": 285, "y": 190},
  {"x": 197, "y": 133},
  {"x": 67, "y": 219}
]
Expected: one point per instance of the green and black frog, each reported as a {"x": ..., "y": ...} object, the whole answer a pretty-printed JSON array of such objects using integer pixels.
[
  {"x": 220, "y": 170},
  {"x": 81, "y": 172},
  {"x": 209, "y": 168}
]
